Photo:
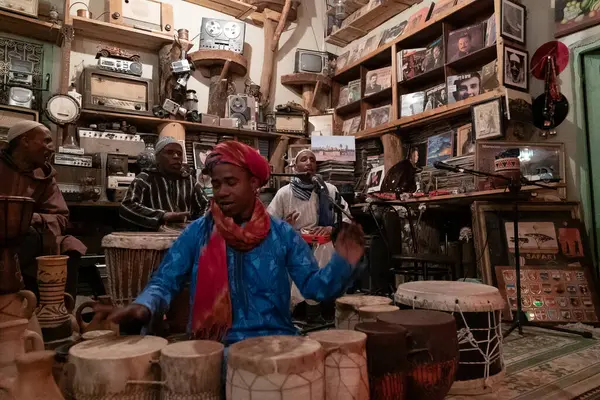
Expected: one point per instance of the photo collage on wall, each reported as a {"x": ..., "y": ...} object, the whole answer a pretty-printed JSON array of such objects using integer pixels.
[{"x": 556, "y": 283}]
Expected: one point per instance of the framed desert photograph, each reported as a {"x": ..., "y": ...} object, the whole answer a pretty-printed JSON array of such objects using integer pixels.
[
  {"x": 516, "y": 69},
  {"x": 572, "y": 16},
  {"x": 487, "y": 119},
  {"x": 543, "y": 162},
  {"x": 334, "y": 148},
  {"x": 513, "y": 17}
]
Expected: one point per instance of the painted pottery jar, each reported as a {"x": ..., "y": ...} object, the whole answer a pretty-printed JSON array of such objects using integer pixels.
[
  {"x": 98, "y": 322},
  {"x": 15, "y": 340},
  {"x": 35, "y": 380}
]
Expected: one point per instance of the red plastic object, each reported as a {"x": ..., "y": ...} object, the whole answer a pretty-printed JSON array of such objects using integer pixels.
[
  {"x": 558, "y": 50},
  {"x": 316, "y": 239}
]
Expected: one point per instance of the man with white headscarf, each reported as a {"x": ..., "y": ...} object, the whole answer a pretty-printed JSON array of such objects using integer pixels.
[
  {"x": 306, "y": 210},
  {"x": 164, "y": 195},
  {"x": 25, "y": 171}
]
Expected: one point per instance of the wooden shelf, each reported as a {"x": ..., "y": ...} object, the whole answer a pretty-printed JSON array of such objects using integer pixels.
[
  {"x": 107, "y": 204},
  {"x": 298, "y": 81},
  {"x": 365, "y": 23},
  {"x": 376, "y": 98},
  {"x": 121, "y": 34},
  {"x": 350, "y": 108},
  {"x": 428, "y": 79},
  {"x": 236, "y": 8},
  {"x": 350, "y": 6},
  {"x": 31, "y": 27},
  {"x": 151, "y": 123},
  {"x": 429, "y": 116}
]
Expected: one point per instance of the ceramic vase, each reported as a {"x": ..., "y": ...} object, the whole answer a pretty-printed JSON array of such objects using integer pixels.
[
  {"x": 98, "y": 322},
  {"x": 55, "y": 305},
  {"x": 35, "y": 380},
  {"x": 15, "y": 340},
  {"x": 20, "y": 305}
]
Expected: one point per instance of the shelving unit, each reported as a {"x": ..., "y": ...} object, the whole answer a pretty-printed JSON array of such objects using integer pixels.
[
  {"x": 31, "y": 27},
  {"x": 237, "y": 9}
]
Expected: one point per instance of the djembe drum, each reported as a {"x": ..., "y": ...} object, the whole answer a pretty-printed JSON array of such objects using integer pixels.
[
  {"x": 346, "y": 309},
  {"x": 433, "y": 351},
  {"x": 386, "y": 360},
  {"x": 122, "y": 368},
  {"x": 15, "y": 220},
  {"x": 192, "y": 370},
  {"x": 346, "y": 374},
  {"x": 476, "y": 308},
  {"x": 370, "y": 313},
  {"x": 276, "y": 368},
  {"x": 131, "y": 259}
]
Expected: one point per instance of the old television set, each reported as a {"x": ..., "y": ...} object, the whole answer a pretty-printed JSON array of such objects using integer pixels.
[{"x": 316, "y": 62}]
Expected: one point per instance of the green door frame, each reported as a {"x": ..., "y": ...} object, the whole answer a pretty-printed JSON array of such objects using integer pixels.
[{"x": 578, "y": 50}]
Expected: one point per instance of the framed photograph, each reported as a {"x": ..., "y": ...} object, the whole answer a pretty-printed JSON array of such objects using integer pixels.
[
  {"x": 440, "y": 147},
  {"x": 334, "y": 148},
  {"x": 200, "y": 153},
  {"x": 461, "y": 87},
  {"x": 378, "y": 80},
  {"x": 516, "y": 69},
  {"x": 488, "y": 119},
  {"x": 513, "y": 17},
  {"x": 412, "y": 104},
  {"x": 434, "y": 55},
  {"x": 539, "y": 162},
  {"x": 436, "y": 97},
  {"x": 465, "y": 41},
  {"x": 320, "y": 125},
  {"x": 442, "y": 6},
  {"x": 377, "y": 116},
  {"x": 490, "y": 31},
  {"x": 353, "y": 91},
  {"x": 375, "y": 179},
  {"x": 344, "y": 96},
  {"x": 571, "y": 17},
  {"x": 465, "y": 142},
  {"x": 392, "y": 33}
]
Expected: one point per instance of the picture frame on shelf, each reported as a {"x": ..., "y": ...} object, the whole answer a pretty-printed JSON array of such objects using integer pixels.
[
  {"x": 465, "y": 41},
  {"x": 440, "y": 147},
  {"x": 200, "y": 153},
  {"x": 465, "y": 142},
  {"x": 488, "y": 119},
  {"x": 334, "y": 148},
  {"x": 536, "y": 158},
  {"x": 378, "y": 80},
  {"x": 513, "y": 17},
  {"x": 516, "y": 69},
  {"x": 375, "y": 179},
  {"x": 320, "y": 125}
]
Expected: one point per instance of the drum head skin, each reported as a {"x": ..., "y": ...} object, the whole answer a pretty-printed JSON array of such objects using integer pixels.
[{"x": 139, "y": 240}]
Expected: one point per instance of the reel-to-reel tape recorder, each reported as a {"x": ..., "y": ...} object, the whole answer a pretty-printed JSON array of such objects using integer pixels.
[{"x": 218, "y": 34}]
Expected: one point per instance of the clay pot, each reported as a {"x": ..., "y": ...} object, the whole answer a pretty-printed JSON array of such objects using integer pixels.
[
  {"x": 15, "y": 340},
  {"x": 20, "y": 305},
  {"x": 35, "y": 381},
  {"x": 55, "y": 305},
  {"x": 97, "y": 323}
]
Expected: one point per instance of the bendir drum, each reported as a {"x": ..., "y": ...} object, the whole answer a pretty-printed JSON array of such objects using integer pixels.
[
  {"x": 346, "y": 375},
  {"x": 192, "y": 370},
  {"x": 131, "y": 259},
  {"x": 124, "y": 368},
  {"x": 276, "y": 368},
  {"x": 476, "y": 308},
  {"x": 346, "y": 309}
]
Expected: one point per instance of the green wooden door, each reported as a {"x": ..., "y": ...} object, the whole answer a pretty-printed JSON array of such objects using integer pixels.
[{"x": 591, "y": 68}]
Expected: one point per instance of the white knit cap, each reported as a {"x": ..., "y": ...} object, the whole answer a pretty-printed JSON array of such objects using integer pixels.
[
  {"x": 21, "y": 128},
  {"x": 300, "y": 153},
  {"x": 163, "y": 141}
]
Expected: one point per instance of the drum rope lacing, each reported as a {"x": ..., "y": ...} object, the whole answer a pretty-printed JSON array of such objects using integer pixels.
[{"x": 465, "y": 336}]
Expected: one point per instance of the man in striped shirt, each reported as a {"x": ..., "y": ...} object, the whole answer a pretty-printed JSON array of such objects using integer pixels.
[{"x": 163, "y": 195}]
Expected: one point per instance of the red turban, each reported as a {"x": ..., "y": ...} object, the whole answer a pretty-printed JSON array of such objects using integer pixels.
[{"x": 241, "y": 155}]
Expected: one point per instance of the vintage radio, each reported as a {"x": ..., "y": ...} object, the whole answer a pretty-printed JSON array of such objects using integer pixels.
[
  {"x": 241, "y": 107},
  {"x": 117, "y": 186},
  {"x": 121, "y": 66},
  {"x": 111, "y": 91},
  {"x": 25, "y": 7},
  {"x": 21, "y": 71},
  {"x": 11, "y": 115},
  {"x": 116, "y": 142},
  {"x": 79, "y": 177},
  {"x": 291, "y": 123},
  {"x": 146, "y": 15},
  {"x": 316, "y": 62},
  {"x": 222, "y": 35}
]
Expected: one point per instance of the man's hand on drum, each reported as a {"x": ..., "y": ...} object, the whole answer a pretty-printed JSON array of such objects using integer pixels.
[
  {"x": 118, "y": 315},
  {"x": 176, "y": 216},
  {"x": 292, "y": 218},
  {"x": 322, "y": 231},
  {"x": 350, "y": 242}
]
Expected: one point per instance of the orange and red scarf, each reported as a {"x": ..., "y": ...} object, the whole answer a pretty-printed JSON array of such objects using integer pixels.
[{"x": 212, "y": 311}]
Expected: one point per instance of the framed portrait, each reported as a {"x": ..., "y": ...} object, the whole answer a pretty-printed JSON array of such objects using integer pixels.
[
  {"x": 375, "y": 179},
  {"x": 544, "y": 162},
  {"x": 465, "y": 41},
  {"x": 516, "y": 69},
  {"x": 487, "y": 119},
  {"x": 513, "y": 17},
  {"x": 570, "y": 16},
  {"x": 440, "y": 147},
  {"x": 465, "y": 142}
]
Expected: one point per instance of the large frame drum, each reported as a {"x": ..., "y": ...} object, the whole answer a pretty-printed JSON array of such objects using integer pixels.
[
  {"x": 131, "y": 259},
  {"x": 476, "y": 308},
  {"x": 276, "y": 368}
]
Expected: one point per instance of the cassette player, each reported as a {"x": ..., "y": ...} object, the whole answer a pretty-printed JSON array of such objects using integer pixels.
[
  {"x": 121, "y": 66},
  {"x": 218, "y": 34}
]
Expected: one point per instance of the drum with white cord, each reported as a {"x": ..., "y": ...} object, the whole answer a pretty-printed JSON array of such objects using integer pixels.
[{"x": 477, "y": 309}]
